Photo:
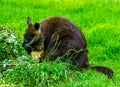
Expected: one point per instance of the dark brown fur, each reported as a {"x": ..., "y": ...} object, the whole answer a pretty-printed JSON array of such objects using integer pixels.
[{"x": 57, "y": 36}]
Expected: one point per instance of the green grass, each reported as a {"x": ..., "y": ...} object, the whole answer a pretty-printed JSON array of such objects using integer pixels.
[{"x": 98, "y": 19}]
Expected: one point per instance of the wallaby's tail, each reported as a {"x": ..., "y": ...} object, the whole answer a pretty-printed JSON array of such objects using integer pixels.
[{"x": 107, "y": 71}]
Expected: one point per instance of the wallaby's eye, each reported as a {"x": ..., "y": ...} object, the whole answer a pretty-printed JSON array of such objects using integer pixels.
[
  {"x": 31, "y": 35},
  {"x": 28, "y": 37}
]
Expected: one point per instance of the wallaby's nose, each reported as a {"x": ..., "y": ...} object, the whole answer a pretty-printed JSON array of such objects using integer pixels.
[{"x": 27, "y": 47}]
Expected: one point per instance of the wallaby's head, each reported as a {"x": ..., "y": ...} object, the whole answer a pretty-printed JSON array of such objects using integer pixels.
[{"x": 32, "y": 37}]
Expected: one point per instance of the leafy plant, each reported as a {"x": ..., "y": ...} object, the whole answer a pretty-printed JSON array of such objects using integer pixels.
[
  {"x": 10, "y": 46},
  {"x": 11, "y": 50}
]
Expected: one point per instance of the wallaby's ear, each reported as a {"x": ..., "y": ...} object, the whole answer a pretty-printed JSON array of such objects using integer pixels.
[
  {"x": 37, "y": 26},
  {"x": 29, "y": 22}
]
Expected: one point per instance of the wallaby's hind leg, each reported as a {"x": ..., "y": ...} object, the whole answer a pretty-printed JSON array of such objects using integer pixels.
[{"x": 82, "y": 61}]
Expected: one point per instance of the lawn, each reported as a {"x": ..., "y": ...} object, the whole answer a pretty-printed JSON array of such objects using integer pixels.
[{"x": 98, "y": 19}]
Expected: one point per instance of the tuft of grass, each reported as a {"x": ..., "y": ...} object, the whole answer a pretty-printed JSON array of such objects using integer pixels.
[{"x": 44, "y": 74}]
